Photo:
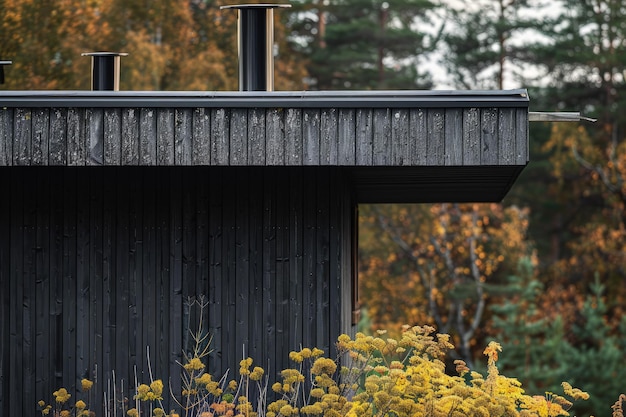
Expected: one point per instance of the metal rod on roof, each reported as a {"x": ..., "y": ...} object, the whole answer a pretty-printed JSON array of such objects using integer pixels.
[
  {"x": 255, "y": 35},
  {"x": 2, "y": 64},
  {"x": 105, "y": 70},
  {"x": 536, "y": 116}
]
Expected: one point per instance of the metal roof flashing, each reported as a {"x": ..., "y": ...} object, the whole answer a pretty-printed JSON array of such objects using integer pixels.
[{"x": 263, "y": 99}]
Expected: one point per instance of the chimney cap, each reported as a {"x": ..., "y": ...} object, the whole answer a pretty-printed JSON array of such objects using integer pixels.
[
  {"x": 256, "y": 6},
  {"x": 104, "y": 54}
]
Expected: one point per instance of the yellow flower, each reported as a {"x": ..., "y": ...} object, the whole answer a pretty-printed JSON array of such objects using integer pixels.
[
  {"x": 157, "y": 388},
  {"x": 257, "y": 373},
  {"x": 158, "y": 412},
  {"x": 80, "y": 404},
  {"x": 132, "y": 412},
  {"x": 232, "y": 385},
  {"x": 64, "y": 413},
  {"x": 41, "y": 403},
  {"x": 296, "y": 357},
  {"x": 46, "y": 410},
  {"x": 195, "y": 364},
  {"x": 86, "y": 384},
  {"x": 61, "y": 395},
  {"x": 324, "y": 366}
]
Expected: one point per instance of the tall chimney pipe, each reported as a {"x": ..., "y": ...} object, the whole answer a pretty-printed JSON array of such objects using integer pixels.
[
  {"x": 255, "y": 35},
  {"x": 105, "y": 70},
  {"x": 2, "y": 64}
]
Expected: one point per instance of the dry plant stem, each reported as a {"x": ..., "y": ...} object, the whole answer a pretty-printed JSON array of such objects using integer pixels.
[{"x": 150, "y": 372}]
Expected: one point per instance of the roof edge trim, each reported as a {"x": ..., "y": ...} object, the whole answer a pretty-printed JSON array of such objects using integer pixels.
[{"x": 290, "y": 99}]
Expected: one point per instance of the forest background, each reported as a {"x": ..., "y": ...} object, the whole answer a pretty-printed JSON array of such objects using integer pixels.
[{"x": 544, "y": 272}]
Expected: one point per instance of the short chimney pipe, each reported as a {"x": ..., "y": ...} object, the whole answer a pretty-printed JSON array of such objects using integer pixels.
[
  {"x": 2, "y": 64},
  {"x": 255, "y": 33},
  {"x": 105, "y": 70}
]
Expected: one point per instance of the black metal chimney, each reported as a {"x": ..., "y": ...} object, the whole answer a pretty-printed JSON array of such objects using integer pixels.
[
  {"x": 105, "y": 70},
  {"x": 2, "y": 64},
  {"x": 255, "y": 33}
]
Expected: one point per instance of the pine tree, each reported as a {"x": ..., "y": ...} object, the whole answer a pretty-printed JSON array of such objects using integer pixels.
[
  {"x": 541, "y": 353},
  {"x": 485, "y": 42},
  {"x": 363, "y": 44}
]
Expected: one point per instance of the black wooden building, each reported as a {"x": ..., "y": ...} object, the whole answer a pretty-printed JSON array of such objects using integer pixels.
[{"x": 117, "y": 206}]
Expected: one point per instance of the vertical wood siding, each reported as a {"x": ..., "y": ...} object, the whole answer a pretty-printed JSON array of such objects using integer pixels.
[
  {"x": 270, "y": 137},
  {"x": 96, "y": 265}
]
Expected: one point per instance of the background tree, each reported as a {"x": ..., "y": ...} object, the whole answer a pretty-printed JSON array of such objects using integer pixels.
[
  {"x": 541, "y": 352},
  {"x": 438, "y": 264},
  {"x": 585, "y": 164},
  {"x": 363, "y": 44},
  {"x": 485, "y": 42}
]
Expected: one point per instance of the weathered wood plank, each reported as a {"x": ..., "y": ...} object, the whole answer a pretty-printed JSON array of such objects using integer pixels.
[
  {"x": 274, "y": 137},
  {"x": 216, "y": 266},
  {"x": 231, "y": 352},
  {"x": 94, "y": 132},
  {"x": 41, "y": 133},
  {"x": 16, "y": 289},
  {"x": 270, "y": 293},
  {"x": 76, "y": 146},
  {"x": 328, "y": 140},
  {"x": 295, "y": 185},
  {"x": 5, "y": 296},
  {"x": 257, "y": 326},
  {"x": 22, "y": 147},
  {"x": 176, "y": 298},
  {"x": 183, "y": 134},
  {"x": 121, "y": 318},
  {"x": 471, "y": 136},
  {"x": 27, "y": 302},
  {"x": 489, "y": 139},
  {"x": 346, "y": 137},
  {"x": 256, "y": 137},
  {"x": 130, "y": 137},
  {"x": 506, "y": 137},
  {"x": 364, "y": 137},
  {"x": 82, "y": 283},
  {"x": 435, "y": 142},
  {"x": 147, "y": 136},
  {"x": 293, "y": 137},
  {"x": 220, "y": 146},
  {"x": 44, "y": 327},
  {"x": 58, "y": 136},
  {"x": 382, "y": 137},
  {"x": 311, "y": 120},
  {"x": 327, "y": 249},
  {"x": 309, "y": 267},
  {"x": 238, "y": 137},
  {"x": 521, "y": 137},
  {"x": 112, "y": 136},
  {"x": 400, "y": 137},
  {"x": 162, "y": 275},
  {"x": 201, "y": 142},
  {"x": 453, "y": 139},
  {"x": 135, "y": 345},
  {"x": 96, "y": 276},
  {"x": 165, "y": 137},
  {"x": 6, "y": 136},
  {"x": 109, "y": 262},
  {"x": 69, "y": 282},
  {"x": 241, "y": 264},
  {"x": 418, "y": 136}
]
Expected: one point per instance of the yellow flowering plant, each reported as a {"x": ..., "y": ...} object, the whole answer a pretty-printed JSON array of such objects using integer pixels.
[
  {"x": 63, "y": 407},
  {"x": 371, "y": 376}
]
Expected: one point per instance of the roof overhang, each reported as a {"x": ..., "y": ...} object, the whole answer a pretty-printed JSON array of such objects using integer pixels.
[{"x": 399, "y": 146}]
